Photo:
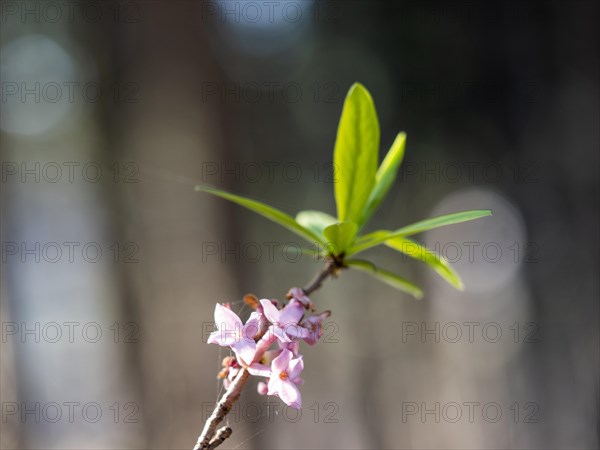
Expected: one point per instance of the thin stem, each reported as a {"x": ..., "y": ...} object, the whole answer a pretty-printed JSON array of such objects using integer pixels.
[
  {"x": 222, "y": 434},
  {"x": 330, "y": 269},
  {"x": 210, "y": 437},
  {"x": 222, "y": 408}
]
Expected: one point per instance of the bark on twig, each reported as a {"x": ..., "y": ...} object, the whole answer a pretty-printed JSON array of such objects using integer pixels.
[
  {"x": 221, "y": 410},
  {"x": 222, "y": 434},
  {"x": 330, "y": 269}
]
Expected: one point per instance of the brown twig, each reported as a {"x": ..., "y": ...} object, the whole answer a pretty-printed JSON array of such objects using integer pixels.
[
  {"x": 222, "y": 408},
  {"x": 210, "y": 437},
  {"x": 222, "y": 434},
  {"x": 331, "y": 268}
]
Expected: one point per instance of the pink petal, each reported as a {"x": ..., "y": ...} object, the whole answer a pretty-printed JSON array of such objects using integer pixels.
[
  {"x": 245, "y": 351},
  {"x": 315, "y": 324},
  {"x": 296, "y": 292},
  {"x": 280, "y": 364},
  {"x": 297, "y": 331},
  {"x": 232, "y": 373},
  {"x": 262, "y": 388},
  {"x": 222, "y": 337},
  {"x": 259, "y": 370},
  {"x": 250, "y": 330},
  {"x": 271, "y": 311},
  {"x": 295, "y": 367},
  {"x": 299, "y": 295},
  {"x": 226, "y": 316},
  {"x": 291, "y": 313},
  {"x": 265, "y": 342},
  {"x": 275, "y": 385},
  {"x": 312, "y": 339},
  {"x": 290, "y": 394},
  {"x": 314, "y": 335},
  {"x": 279, "y": 333},
  {"x": 318, "y": 318},
  {"x": 293, "y": 346},
  {"x": 228, "y": 325}
]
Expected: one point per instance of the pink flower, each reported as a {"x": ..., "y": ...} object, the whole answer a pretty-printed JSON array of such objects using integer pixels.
[
  {"x": 285, "y": 375},
  {"x": 298, "y": 294},
  {"x": 284, "y": 321},
  {"x": 231, "y": 332},
  {"x": 293, "y": 347},
  {"x": 262, "y": 388},
  {"x": 269, "y": 356},
  {"x": 314, "y": 326},
  {"x": 259, "y": 370}
]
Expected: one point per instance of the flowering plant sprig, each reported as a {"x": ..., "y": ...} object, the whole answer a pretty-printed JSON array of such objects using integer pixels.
[
  {"x": 267, "y": 345},
  {"x": 280, "y": 366}
]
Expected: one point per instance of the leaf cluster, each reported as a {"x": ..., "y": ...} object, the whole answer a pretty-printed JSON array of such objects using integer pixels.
[{"x": 360, "y": 187}]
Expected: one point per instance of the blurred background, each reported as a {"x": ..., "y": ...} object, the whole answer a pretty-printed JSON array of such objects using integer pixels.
[{"x": 112, "y": 264}]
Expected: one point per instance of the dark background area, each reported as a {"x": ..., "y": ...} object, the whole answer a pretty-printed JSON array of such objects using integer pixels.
[{"x": 500, "y": 104}]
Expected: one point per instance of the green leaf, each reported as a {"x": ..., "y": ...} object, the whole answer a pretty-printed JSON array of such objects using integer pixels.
[
  {"x": 340, "y": 235},
  {"x": 387, "y": 277},
  {"x": 267, "y": 211},
  {"x": 355, "y": 154},
  {"x": 386, "y": 174},
  {"x": 441, "y": 221},
  {"x": 378, "y": 237},
  {"x": 368, "y": 240},
  {"x": 315, "y": 221},
  {"x": 429, "y": 257}
]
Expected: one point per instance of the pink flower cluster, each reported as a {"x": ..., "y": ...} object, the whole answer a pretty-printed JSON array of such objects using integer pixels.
[{"x": 254, "y": 343}]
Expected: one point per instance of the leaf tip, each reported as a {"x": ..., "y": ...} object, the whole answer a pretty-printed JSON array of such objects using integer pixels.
[
  {"x": 454, "y": 280},
  {"x": 418, "y": 295},
  {"x": 358, "y": 88},
  {"x": 357, "y": 85}
]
